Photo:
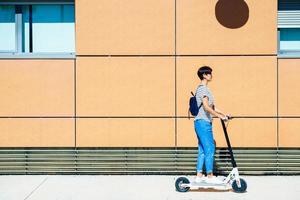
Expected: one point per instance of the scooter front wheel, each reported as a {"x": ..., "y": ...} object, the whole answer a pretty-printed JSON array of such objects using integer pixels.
[
  {"x": 178, "y": 184},
  {"x": 238, "y": 189}
]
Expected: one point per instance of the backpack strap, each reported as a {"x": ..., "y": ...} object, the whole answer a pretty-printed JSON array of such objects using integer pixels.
[{"x": 201, "y": 102}]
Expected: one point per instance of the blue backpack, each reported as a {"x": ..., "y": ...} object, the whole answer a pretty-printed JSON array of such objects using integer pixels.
[{"x": 193, "y": 109}]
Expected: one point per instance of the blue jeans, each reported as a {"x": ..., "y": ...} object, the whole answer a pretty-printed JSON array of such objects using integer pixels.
[{"x": 206, "y": 145}]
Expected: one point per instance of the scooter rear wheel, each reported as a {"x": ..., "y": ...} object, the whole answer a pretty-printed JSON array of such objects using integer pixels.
[
  {"x": 179, "y": 182},
  {"x": 241, "y": 189}
]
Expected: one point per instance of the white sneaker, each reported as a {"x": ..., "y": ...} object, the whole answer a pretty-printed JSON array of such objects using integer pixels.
[
  {"x": 199, "y": 179},
  {"x": 213, "y": 180}
]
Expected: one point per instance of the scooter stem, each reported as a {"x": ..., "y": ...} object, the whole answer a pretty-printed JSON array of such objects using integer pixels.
[{"x": 228, "y": 144}]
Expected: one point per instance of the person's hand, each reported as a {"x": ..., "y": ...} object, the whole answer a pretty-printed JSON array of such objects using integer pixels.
[{"x": 223, "y": 117}]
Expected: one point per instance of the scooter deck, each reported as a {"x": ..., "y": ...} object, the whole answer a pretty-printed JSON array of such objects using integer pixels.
[{"x": 204, "y": 185}]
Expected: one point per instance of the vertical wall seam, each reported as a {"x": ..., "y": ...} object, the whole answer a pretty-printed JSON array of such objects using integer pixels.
[
  {"x": 277, "y": 97},
  {"x": 75, "y": 103},
  {"x": 75, "y": 75},
  {"x": 277, "y": 112},
  {"x": 175, "y": 53},
  {"x": 277, "y": 119}
]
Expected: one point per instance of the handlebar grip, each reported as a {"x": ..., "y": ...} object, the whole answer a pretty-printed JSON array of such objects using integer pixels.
[{"x": 227, "y": 118}]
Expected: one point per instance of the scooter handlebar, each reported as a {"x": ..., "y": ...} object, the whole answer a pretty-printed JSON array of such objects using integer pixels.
[{"x": 227, "y": 118}]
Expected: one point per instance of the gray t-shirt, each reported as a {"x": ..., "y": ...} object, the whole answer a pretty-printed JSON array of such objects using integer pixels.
[{"x": 203, "y": 91}]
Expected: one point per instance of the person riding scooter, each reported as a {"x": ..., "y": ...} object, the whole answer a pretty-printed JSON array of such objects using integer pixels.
[{"x": 203, "y": 127}]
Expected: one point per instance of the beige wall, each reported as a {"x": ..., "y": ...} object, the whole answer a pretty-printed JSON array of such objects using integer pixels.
[
  {"x": 125, "y": 86},
  {"x": 37, "y": 87},
  {"x": 199, "y": 32},
  {"x": 129, "y": 86},
  {"x": 114, "y": 27},
  {"x": 37, "y": 132},
  {"x": 289, "y": 87},
  {"x": 289, "y": 135},
  {"x": 122, "y": 132},
  {"x": 289, "y": 102},
  {"x": 134, "y": 27}
]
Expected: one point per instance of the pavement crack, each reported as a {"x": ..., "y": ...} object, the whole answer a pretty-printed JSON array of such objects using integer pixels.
[{"x": 35, "y": 189}]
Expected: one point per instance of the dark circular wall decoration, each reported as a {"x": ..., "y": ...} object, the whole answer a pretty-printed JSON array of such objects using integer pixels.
[{"x": 232, "y": 13}]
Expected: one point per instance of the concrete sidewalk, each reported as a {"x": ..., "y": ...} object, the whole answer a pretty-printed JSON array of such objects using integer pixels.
[{"x": 137, "y": 188}]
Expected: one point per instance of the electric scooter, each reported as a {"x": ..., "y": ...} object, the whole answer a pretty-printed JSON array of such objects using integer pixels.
[{"x": 232, "y": 181}]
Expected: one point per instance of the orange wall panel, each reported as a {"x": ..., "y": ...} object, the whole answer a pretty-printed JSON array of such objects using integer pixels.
[
  {"x": 37, "y": 87},
  {"x": 200, "y": 33},
  {"x": 242, "y": 86},
  {"x": 42, "y": 132},
  {"x": 125, "y": 86},
  {"x": 242, "y": 133},
  {"x": 289, "y": 87},
  {"x": 109, "y": 27},
  {"x": 125, "y": 132},
  {"x": 289, "y": 132}
]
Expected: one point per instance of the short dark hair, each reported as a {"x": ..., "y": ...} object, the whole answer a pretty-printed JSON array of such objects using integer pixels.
[{"x": 203, "y": 70}]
